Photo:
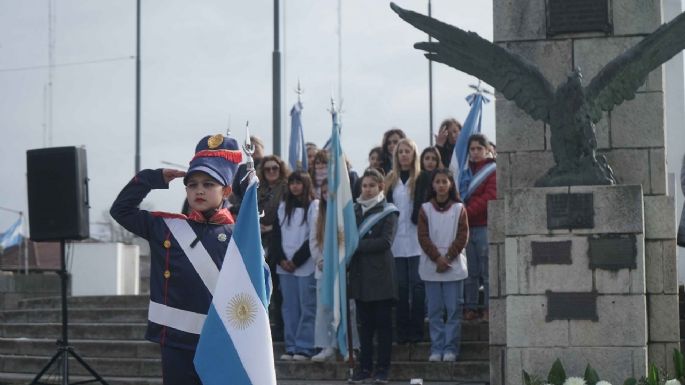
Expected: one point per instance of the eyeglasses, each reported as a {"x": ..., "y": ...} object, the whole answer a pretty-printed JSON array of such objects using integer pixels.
[{"x": 272, "y": 168}]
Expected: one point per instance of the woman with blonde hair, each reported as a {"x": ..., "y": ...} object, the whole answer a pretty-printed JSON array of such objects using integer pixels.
[{"x": 402, "y": 189}]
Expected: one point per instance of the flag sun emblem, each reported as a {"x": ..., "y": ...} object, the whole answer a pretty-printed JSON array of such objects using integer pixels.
[{"x": 241, "y": 311}]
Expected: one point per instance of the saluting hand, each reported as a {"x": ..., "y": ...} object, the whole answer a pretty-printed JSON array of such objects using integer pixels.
[{"x": 171, "y": 174}]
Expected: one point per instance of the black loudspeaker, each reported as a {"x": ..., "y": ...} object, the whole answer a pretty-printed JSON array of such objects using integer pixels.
[{"x": 57, "y": 181}]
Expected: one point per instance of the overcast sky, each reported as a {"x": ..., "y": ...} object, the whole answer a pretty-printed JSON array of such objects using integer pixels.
[{"x": 201, "y": 63}]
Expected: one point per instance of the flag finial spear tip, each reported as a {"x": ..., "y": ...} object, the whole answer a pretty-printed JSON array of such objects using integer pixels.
[
  {"x": 248, "y": 148},
  {"x": 299, "y": 90}
]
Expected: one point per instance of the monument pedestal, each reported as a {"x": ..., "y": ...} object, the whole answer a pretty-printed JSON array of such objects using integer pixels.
[{"x": 574, "y": 282}]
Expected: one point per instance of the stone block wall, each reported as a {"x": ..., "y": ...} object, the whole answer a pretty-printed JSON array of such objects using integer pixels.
[
  {"x": 15, "y": 287},
  {"x": 617, "y": 341},
  {"x": 631, "y": 137}
]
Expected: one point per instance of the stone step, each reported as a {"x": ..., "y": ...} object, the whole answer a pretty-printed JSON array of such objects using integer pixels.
[
  {"x": 77, "y": 331},
  {"x": 471, "y": 331},
  {"x": 94, "y": 301},
  {"x": 473, "y": 371},
  {"x": 470, "y": 350},
  {"x": 85, "y": 348},
  {"x": 23, "y": 378},
  {"x": 76, "y": 315}
]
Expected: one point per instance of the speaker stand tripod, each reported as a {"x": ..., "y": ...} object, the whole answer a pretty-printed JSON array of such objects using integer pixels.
[{"x": 60, "y": 360}]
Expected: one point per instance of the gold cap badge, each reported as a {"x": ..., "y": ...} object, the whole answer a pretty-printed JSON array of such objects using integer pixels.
[{"x": 215, "y": 141}]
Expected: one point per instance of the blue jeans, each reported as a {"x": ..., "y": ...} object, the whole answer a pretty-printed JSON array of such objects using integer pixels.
[
  {"x": 299, "y": 313},
  {"x": 411, "y": 306},
  {"x": 445, "y": 300},
  {"x": 477, "y": 262}
]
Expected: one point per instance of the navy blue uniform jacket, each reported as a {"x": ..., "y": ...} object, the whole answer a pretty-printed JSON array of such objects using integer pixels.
[{"x": 183, "y": 289}]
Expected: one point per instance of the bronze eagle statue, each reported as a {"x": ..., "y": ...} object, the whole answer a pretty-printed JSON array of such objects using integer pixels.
[{"x": 571, "y": 110}]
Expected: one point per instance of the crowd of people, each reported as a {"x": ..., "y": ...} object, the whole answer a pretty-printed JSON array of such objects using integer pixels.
[{"x": 423, "y": 250}]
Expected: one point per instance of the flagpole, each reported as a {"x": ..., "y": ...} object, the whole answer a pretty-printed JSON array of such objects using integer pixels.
[
  {"x": 430, "y": 87},
  {"x": 11, "y": 210},
  {"x": 276, "y": 67},
  {"x": 350, "y": 346},
  {"x": 137, "y": 145}
]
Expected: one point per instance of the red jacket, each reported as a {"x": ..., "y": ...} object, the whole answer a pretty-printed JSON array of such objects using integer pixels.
[{"x": 477, "y": 205}]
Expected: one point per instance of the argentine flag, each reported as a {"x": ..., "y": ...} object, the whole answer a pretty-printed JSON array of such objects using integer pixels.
[
  {"x": 297, "y": 152},
  {"x": 341, "y": 237},
  {"x": 459, "y": 164},
  {"x": 12, "y": 236},
  {"x": 235, "y": 344}
]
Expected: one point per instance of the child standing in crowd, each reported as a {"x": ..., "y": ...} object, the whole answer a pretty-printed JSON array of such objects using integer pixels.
[
  {"x": 402, "y": 190},
  {"x": 319, "y": 170},
  {"x": 430, "y": 159},
  {"x": 443, "y": 230},
  {"x": 180, "y": 291},
  {"x": 390, "y": 140},
  {"x": 479, "y": 187},
  {"x": 375, "y": 158},
  {"x": 446, "y": 139},
  {"x": 273, "y": 176},
  {"x": 290, "y": 249},
  {"x": 371, "y": 279}
]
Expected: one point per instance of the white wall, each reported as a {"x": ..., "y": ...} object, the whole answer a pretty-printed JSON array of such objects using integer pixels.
[
  {"x": 104, "y": 269},
  {"x": 675, "y": 123}
]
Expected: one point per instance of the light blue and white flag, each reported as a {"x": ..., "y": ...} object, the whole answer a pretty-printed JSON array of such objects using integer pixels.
[
  {"x": 235, "y": 345},
  {"x": 459, "y": 164},
  {"x": 340, "y": 238},
  {"x": 297, "y": 153},
  {"x": 12, "y": 236}
]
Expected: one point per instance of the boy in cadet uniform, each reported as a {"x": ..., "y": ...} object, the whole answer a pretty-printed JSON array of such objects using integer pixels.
[{"x": 186, "y": 251}]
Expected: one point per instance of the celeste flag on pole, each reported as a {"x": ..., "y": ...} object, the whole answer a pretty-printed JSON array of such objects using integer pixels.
[
  {"x": 235, "y": 345},
  {"x": 12, "y": 236},
  {"x": 340, "y": 237},
  {"x": 459, "y": 165},
  {"x": 297, "y": 152}
]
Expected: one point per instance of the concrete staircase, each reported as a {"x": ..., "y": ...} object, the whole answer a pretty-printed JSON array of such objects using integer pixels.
[{"x": 108, "y": 333}]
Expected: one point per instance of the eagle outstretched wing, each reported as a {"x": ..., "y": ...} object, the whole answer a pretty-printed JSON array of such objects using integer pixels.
[
  {"x": 622, "y": 77},
  {"x": 508, "y": 73}
]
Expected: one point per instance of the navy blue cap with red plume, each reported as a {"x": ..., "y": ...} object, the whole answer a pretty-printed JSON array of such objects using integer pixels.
[{"x": 218, "y": 156}]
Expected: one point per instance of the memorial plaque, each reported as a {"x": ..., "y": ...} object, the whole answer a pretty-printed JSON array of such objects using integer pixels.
[
  {"x": 577, "y": 16},
  {"x": 572, "y": 306},
  {"x": 570, "y": 211},
  {"x": 551, "y": 253},
  {"x": 613, "y": 251}
]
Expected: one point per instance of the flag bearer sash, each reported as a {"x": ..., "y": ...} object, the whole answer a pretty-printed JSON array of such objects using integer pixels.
[
  {"x": 180, "y": 319},
  {"x": 372, "y": 219},
  {"x": 478, "y": 179}
]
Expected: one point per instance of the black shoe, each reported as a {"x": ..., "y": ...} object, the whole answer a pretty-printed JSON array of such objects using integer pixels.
[
  {"x": 381, "y": 376},
  {"x": 360, "y": 376}
]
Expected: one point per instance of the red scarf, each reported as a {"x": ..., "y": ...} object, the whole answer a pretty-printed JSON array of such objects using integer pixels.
[{"x": 220, "y": 217}]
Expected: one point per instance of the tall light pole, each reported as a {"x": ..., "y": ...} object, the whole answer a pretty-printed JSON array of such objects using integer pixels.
[
  {"x": 430, "y": 87},
  {"x": 276, "y": 58},
  {"x": 137, "y": 86}
]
